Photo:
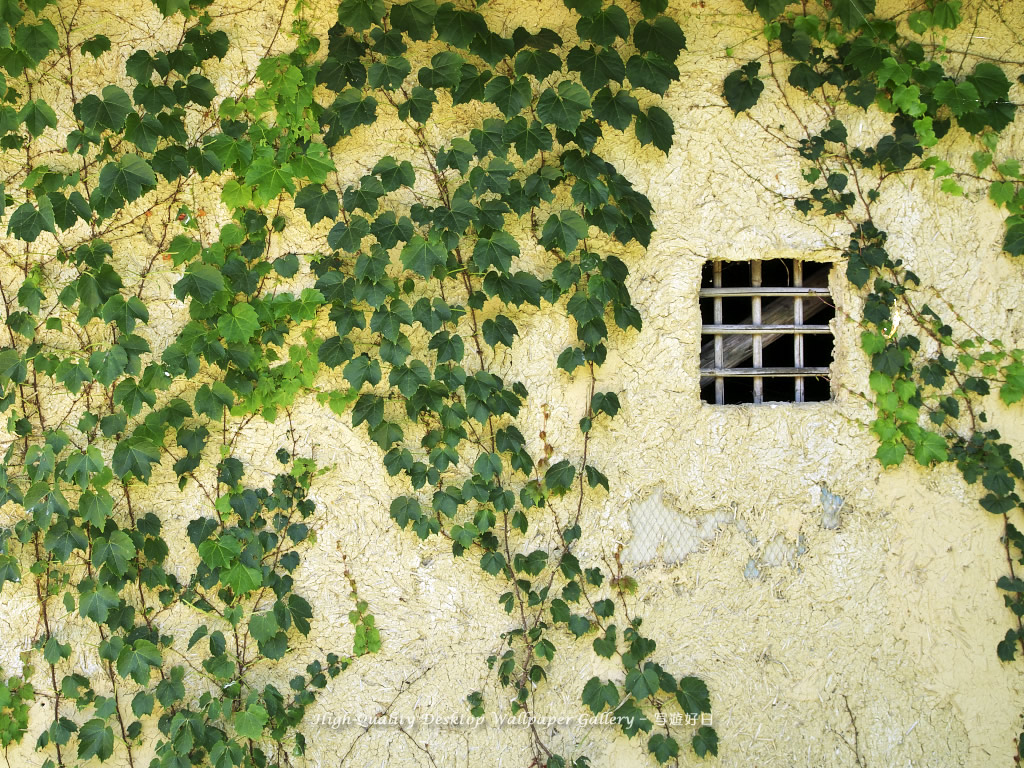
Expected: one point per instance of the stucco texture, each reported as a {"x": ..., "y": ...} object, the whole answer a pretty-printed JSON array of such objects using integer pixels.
[{"x": 871, "y": 643}]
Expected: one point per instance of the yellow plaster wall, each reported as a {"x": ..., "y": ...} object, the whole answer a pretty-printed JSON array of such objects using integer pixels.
[{"x": 887, "y": 625}]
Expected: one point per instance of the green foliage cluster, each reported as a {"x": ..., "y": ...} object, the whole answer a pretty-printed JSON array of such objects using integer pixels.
[
  {"x": 394, "y": 320},
  {"x": 927, "y": 379}
]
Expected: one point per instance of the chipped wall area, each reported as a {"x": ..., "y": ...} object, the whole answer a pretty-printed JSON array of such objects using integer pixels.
[{"x": 818, "y": 595}]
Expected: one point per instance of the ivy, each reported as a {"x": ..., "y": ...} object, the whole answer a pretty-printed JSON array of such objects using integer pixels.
[
  {"x": 422, "y": 270},
  {"x": 927, "y": 380}
]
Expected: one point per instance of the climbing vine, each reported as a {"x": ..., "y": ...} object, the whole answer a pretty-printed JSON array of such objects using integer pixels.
[
  {"x": 929, "y": 369},
  {"x": 417, "y": 275}
]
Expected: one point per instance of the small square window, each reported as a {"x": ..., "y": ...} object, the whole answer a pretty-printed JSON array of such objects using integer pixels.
[{"x": 765, "y": 332}]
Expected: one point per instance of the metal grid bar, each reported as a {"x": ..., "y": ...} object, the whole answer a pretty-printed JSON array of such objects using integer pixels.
[
  {"x": 764, "y": 372},
  {"x": 766, "y": 291},
  {"x": 740, "y": 329},
  {"x": 758, "y": 339},
  {"x": 798, "y": 337},
  {"x": 719, "y": 350}
]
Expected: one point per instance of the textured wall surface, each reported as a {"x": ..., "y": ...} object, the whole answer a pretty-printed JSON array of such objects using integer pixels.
[{"x": 875, "y": 636}]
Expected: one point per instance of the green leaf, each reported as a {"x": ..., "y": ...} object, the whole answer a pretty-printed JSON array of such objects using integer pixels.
[
  {"x": 510, "y": 96},
  {"x": 651, "y": 71},
  {"x": 961, "y": 98},
  {"x": 220, "y": 552},
  {"x": 1013, "y": 241},
  {"x": 241, "y": 578},
  {"x": 662, "y": 36},
  {"x": 540, "y": 64},
  {"x": 498, "y": 250},
  {"x": 318, "y": 202},
  {"x": 616, "y": 109},
  {"x": 109, "y": 112},
  {"x": 558, "y": 478},
  {"x": 129, "y": 177},
  {"x": 990, "y": 82},
  {"x": 135, "y": 456},
  {"x": 95, "y": 739},
  {"x": 360, "y": 15},
  {"x": 393, "y": 174},
  {"x": 853, "y": 14},
  {"x": 96, "y": 45},
  {"x": 564, "y": 107},
  {"x": 663, "y": 747},
  {"x": 249, "y": 722},
  {"x": 598, "y": 695},
  {"x": 422, "y": 256},
  {"x": 415, "y": 18},
  {"x": 930, "y": 447},
  {"x": 692, "y": 695},
  {"x": 239, "y": 324},
  {"x": 742, "y": 87},
  {"x": 263, "y": 626},
  {"x": 642, "y": 683},
  {"x": 135, "y": 660},
  {"x": 655, "y": 127},
  {"x": 596, "y": 66},
  {"x": 200, "y": 281},
  {"x": 563, "y": 231},
  {"x": 604, "y": 26},
  {"x": 891, "y": 453},
  {"x": 36, "y": 40},
  {"x": 390, "y": 73},
  {"x": 705, "y": 741},
  {"x": 362, "y": 369},
  {"x": 37, "y": 116},
  {"x": 28, "y": 221}
]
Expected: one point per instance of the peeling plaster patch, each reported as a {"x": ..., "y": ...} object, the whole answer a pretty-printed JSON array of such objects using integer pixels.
[
  {"x": 831, "y": 503},
  {"x": 656, "y": 528}
]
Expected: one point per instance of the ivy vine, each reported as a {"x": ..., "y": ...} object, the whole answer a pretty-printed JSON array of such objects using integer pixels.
[
  {"x": 417, "y": 276},
  {"x": 929, "y": 369}
]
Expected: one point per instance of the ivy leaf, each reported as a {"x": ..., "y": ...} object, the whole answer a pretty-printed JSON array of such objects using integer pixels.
[
  {"x": 109, "y": 112},
  {"x": 419, "y": 106},
  {"x": 651, "y": 71},
  {"x": 510, "y": 96},
  {"x": 891, "y": 453},
  {"x": 390, "y": 73},
  {"x": 135, "y": 456},
  {"x": 96, "y": 45},
  {"x": 242, "y": 579},
  {"x": 239, "y": 324},
  {"x": 37, "y": 116},
  {"x": 655, "y": 127},
  {"x": 642, "y": 683},
  {"x": 200, "y": 281},
  {"x": 422, "y": 256},
  {"x": 28, "y": 221},
  {"x": 1013, "y": 242},
  {"x": 663, "y": 747},
  {"x": 36, "y": 40},
  {"x": 540, "y": 64},
  {"x": 135, "y": 660},
  {"x": 360, "y": 15},
  {"x": 930, "y": 447},
  {"x": 415, "y": 18},
  {"x": 604, "y": 26},
  {"x": 565, "y": 107},
  {"x": 529, "y": 138},
  {"x": 692, "y": 695},
  {"x": 705, "y": 741},
  {"x": 129, "y": 177},
  {"x": 742, "y": 87},
  {"x": 318, "y": 202},
  {"x": 598, "y": 695},
  {"x": 662, "y": 36},
  {"x": 558, "y": 478},
  {"x": 596, "y": 66},
  {"x": 990, "y": 82},
  {"x": 361, "y": 369},
  {"x": 498, "y": 250},
  {"x": 617, "y": 109},
  {"x": 394, "y": 174},
  {"x": 961, "y": 98},
  {"x": 854, "y": 15},
  {"x": 95, "y": 739},
  {"x": 563, "y": 231},
  {"x": 458, "y": 27},
  {"x": 249, "y": 722}
]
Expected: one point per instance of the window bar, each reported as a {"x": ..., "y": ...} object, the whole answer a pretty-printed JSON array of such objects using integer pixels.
[
  {"x": 798, "y": 338},
  {"x": 719, "y": 349},
  {"x": 755, "y": 316}
]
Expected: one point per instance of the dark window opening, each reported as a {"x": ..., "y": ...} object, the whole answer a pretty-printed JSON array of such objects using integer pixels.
[{"x": 765, "y": 333}]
